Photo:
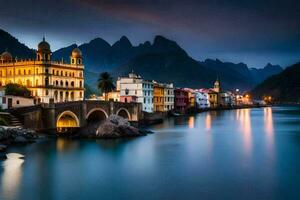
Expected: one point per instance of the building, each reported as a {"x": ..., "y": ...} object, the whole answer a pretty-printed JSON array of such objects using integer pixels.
[
  {"x": 191, "y": 94},
  {"x": 202, "y": 98},
  {"x": 10, "y": 101},
  {"x": 181, "y": 103},
  {"x": 133, "y": 87},
  {"x": 213, "y": 98},
  {"x": 158, "y": 97},
  {"x": 168, "y": 97},
  {"x": 48, "y": 81},
  {"x": 111, "y": 96}
]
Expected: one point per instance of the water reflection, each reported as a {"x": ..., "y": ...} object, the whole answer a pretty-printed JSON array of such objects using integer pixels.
[
  {"x": 208, "y": 121},
  {"x": 244, "y": 118},
  {"x": 191, "y": 122},
  {"x": 268, "y": 126},
  {"x": 12, "y": 175}
]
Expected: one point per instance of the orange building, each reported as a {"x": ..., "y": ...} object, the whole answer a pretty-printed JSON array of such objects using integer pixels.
[{"x": 158, "y": 97}]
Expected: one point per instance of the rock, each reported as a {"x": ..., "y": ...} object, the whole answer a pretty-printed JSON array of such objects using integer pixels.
[
  {"x": 20, "y": 139},
  {"x": 3, "y": 148}
]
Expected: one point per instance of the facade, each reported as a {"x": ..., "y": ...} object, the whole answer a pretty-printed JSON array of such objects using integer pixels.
[
  {"x": 47, "y": 80},
  {"x": 168, "y": 97},
  {"x": 9, "y": 101},
  {"x": 158, "y": 97},
  {"x": 181, "y": 103},
  {"x": 213, "y": 98},
  {"x": 191, "y": 94},
  {"x": 134, "y": 85},
  {"x": 202, "y": 98}
]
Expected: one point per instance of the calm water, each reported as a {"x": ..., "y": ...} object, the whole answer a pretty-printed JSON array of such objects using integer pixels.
[{"x": 241, "y": 154}]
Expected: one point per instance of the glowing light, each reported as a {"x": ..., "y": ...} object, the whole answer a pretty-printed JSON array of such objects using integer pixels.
[
  {"x": 208, "y": 122},
  {"x": 191, "y": 122},
  {"x": 12, "y": 175}
]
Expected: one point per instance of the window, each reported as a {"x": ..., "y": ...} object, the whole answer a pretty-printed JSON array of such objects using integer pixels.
[
  {"x": 18, "y": 102},
  {"x": 47, "y": 92},
  {"x": 4, "y": 100},
  {"x": 24, "y": 72}
]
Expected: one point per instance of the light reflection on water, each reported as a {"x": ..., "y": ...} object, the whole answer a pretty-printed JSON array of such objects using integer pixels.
[{"x": 238, "y": 154}]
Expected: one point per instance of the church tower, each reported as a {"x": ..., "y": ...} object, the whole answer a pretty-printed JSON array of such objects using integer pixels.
[
  {"x": 217, "y": 86},
  {"x": 76, "y": 57}
]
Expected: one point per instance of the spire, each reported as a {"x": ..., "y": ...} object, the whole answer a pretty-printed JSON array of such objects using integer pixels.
[{"x": 44, "y": 38}]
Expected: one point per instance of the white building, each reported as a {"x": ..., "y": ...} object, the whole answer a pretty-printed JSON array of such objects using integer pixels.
[
  {"x": 202, "y": 98},
  {"x": 10, "y": 101},
  {"x": 169, "y": 97},
  {"x": 134, "y": 88}
]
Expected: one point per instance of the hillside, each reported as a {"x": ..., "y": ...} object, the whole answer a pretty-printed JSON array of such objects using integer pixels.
[
  {"x": 283, "y": 87},
  {"x": 11, "y": 44}
]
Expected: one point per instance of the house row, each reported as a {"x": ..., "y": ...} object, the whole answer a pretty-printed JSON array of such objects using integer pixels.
[{"x": 163, "y": 97}]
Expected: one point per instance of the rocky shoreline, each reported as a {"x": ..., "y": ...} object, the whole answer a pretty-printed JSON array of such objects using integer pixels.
[
  {"x": 113, "y": 127},
  {"x": 14, "y": 136}
]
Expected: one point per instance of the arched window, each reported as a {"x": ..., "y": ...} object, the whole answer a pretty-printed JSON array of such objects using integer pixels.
[
  {"x": 24, "y": 71},
  {"x": 61, "y": 73},
  {"x": 56, "y": 82},
  {"x": 80, "y": 84},
  {"x": 67, "y": 83},
  {"x": 66, "y": 73},
  {"x": 72, "y": 83},
  {"x": 61, "y": 83}
]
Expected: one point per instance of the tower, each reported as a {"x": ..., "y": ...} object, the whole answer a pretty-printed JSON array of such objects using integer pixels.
[
  {"x": 76, "y": 57},
  {"x": 44, "y": 52},
  {"x": 217, "y": 85}
]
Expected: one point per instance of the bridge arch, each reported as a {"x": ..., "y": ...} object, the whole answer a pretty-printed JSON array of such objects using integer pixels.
[
  {"x": 67, "y": 119},
  {"x": 96, "y": 115},
  {"x": 123, "y": 112}
]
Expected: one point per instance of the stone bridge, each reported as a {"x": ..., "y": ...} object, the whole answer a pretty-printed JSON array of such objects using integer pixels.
[{"x": 75, "y": 114}]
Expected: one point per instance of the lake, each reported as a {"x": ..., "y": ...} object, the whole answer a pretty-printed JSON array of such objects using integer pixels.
[{"x": 236, "y": 154}]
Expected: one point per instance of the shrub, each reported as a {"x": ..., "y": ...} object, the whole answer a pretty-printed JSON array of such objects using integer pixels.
[{"x": 17, "y": 90}]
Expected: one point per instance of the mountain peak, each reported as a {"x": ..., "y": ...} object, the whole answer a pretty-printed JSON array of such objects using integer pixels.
[
  {"x": 124, "y": 42},
  {"x": 164, "y": 45}
]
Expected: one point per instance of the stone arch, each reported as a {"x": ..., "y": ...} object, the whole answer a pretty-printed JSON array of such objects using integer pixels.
[
  {"x": 123, "y": 112},
  {"x": 96, "y": 115},
  {"x": 67, "y": 119}
]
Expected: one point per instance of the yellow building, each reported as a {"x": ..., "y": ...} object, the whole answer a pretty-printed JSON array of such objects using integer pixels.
[
  {"x": 213, "y": 98},
  {"x": 158, "y": 97},
  {"x": 48, "y": 81}
]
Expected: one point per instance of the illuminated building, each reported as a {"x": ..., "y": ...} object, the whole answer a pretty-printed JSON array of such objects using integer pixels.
[
  {"x": 134, "y": 89},
  {"x": 168, "y": 97},
  {"x": 48, "y": 81},
  {"x": 158, "y": 97}
]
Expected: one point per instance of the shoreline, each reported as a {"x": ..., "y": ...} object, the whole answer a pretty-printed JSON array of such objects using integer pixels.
[{"x": 142, "y": 126}]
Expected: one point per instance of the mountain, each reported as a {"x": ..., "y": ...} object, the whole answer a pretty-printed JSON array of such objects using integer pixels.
[
  {"x": 260, "y": 75},
  {"x": 162, "y": 60},
  {"x": 11, "y": 44},
  {"x": 283, "y": 87}
]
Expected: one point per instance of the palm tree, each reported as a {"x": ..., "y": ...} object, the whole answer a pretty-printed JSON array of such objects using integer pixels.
[{"x": 105, "y": 83}]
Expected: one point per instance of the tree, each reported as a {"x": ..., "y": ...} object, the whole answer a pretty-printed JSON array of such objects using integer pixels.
[
  {"x": 17, "y": 90},
  {"x": 105, "y": 83}
]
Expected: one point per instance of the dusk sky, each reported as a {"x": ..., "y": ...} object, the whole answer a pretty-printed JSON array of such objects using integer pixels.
[{"x": 255, "y": 32}]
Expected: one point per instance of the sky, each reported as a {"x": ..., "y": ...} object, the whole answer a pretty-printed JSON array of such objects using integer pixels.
[{"x": 255, "y": 32}]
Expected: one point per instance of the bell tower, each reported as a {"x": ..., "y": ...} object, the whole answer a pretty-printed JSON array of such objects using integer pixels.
[
  {"x": 44, "y": 52},
  {"x": 217, "y": 85}
]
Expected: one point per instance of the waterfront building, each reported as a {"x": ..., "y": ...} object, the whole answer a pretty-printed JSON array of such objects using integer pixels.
[
  {"x": 181, "y": 103},
  {"x": 133, "y": 87},
  {"x": 10, "y": 101},
  {"x": 202, "y": 98},
  {"x": 191, "y": 95},
  {"x": 48, "y": 81},
  {"x": 158, "y": 97},
  {"x": 213, "y": 98},
  {"x": 168, "y": 97}
]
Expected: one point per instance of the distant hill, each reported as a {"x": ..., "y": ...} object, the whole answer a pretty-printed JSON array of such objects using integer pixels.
[
  {"x": 163, "y": 60},
  {"x": 11, "y": 44},
  {"x": 283, "y": 87}
]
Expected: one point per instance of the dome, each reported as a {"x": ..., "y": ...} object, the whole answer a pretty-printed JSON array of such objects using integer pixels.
[
  {"x": 6, "y": 56},
  {"x": 44, "y": 46},
  {"x": 76, "y": 53}
]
